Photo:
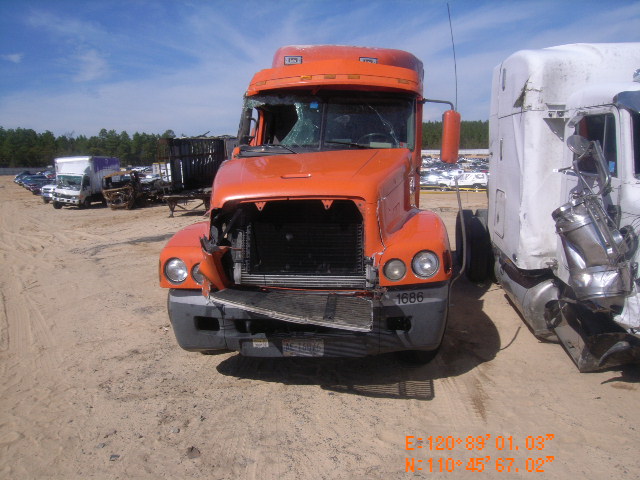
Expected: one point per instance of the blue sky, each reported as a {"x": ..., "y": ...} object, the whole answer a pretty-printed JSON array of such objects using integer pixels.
[{"x": 74, "y": 67}]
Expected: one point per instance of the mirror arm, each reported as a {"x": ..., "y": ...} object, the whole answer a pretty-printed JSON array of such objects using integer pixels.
[{"x": 425, "y": 100}]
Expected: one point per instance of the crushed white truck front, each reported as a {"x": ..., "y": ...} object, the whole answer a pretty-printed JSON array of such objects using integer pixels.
[{"x": 564, "y": 196}]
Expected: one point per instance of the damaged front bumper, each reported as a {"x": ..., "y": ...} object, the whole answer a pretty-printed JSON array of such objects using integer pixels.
[
  {"x": 67, "y": 200},
  {"x": 297, "y": 324}
]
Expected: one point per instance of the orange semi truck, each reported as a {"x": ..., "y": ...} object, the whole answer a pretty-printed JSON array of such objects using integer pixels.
[{"x": 316, "y": 245}]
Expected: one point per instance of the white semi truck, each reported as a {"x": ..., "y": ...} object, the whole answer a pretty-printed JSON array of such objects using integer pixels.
[
  {"x": 561, "y": 231},
  {"x": 79, "y": 179}
]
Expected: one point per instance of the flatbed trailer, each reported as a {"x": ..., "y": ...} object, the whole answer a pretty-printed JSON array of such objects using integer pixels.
[{"x": 201, "y": 197}]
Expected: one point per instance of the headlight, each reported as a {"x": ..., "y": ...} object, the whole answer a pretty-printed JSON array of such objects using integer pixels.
[
  {"x": 395, "y": 270},
  {"x": 197, "y": 276},
  {"x": 425, "y": 264},
  {"x": 176, "y": 270}
]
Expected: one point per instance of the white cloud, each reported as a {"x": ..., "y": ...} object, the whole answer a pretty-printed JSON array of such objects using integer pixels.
[
  {"x": 64, "y": 26},
  {"x": 188, "y": 102},
  {"x": 13, "y": 57},
  {"x": 90, "y": 66}
]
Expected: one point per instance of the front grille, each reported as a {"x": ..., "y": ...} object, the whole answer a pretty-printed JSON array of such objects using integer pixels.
[
  {"x": 65, "y": 196},
  {"x": 302, "y": 244}
]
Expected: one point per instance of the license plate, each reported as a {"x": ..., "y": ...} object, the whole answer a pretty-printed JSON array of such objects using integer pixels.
[
  {"x": 260, "y": 343},
  {"x": 302, "y": 348}
]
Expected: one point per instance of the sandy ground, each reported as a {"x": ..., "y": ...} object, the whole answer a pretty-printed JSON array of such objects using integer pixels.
[{"x": 95, "y": 386}]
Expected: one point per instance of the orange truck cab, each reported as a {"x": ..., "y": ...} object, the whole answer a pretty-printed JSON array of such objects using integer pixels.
[{"x": 316, "y": 245}]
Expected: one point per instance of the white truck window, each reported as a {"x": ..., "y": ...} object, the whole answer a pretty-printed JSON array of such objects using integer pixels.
[{"x": 602, "y": 128}]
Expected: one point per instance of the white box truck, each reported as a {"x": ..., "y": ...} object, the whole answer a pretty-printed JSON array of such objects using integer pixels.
[
  {"x": 561, "y": 231},
  {"x": 79, "y": 179}
]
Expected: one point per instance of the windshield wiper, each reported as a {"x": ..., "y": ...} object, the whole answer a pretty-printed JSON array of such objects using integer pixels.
[
  {"x": 351, "y": 144},
  {"x": 266, "y": 149}
]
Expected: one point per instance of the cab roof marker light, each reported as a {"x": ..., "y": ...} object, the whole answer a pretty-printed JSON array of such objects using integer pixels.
[{"x": 292, "y": 59}]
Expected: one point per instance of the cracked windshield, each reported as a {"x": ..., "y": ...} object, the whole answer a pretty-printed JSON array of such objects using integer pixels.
[{"x": 297, "y": 123}]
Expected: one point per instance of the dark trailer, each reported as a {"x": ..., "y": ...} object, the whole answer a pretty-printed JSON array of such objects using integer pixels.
[{"x": 193, "y": 163}]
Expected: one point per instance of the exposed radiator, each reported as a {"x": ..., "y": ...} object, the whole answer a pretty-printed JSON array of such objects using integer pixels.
[{"x": 304, "y": 247}]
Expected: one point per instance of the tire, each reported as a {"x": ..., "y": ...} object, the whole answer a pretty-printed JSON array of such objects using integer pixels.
[
  {"x": 482, "y": 215},
  {"x": 46, "y": 200},
  {"x": 479, "y": 265},
  {"x": 462, "y": 217},
  {"x": 57, "y": 205},
  {"x": 86, "y": 203}
]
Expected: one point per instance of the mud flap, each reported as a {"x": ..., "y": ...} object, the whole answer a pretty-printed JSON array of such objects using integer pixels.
[
  {"x": 594, "y": 351},
  {"x": 328, "y": 310}
]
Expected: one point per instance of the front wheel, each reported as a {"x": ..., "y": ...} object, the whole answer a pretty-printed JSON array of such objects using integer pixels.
[
  {"x": 479, "y": 255},
  {"x": 57, "y": 205}
]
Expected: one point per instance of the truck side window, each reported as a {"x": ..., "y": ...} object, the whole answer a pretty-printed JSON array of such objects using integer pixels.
[{"x": 603, "y": 129}]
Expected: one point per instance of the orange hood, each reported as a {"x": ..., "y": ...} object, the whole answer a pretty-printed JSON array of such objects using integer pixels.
[{"x": 365, "y": 174}]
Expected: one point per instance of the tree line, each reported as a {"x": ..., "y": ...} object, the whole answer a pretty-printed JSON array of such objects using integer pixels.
[
  {"x": 473, "y": 134},
  {"x": 22, "y": 147}
]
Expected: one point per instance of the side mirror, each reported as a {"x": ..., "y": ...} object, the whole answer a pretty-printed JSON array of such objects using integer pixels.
[
  {"x": 450, "y": 136},
  {"x": 578, "y": 144}
]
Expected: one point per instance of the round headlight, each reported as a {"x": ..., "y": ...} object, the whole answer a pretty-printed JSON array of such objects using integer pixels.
[
  {"x": 425, "y": 264},
  {"x": 197, "y": 276},
  {"x": 395, "y": 270},
  {"x": 176, "y": 270}
]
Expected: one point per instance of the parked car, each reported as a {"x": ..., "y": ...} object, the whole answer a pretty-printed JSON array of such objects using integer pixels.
[
  {"x": 19, "y": 176},
  {"x": 35, "y": 184},
  {"x": 471, "y": 180},
  {"x": 452, "y": 173},
  {"x": 46, "y": 192},
  {"x": 433, "y": 179},
  {"x": 30, "y": 179}
]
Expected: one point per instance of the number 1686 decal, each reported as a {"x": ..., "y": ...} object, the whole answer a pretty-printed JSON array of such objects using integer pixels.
[{"x": 405, "y": 298}]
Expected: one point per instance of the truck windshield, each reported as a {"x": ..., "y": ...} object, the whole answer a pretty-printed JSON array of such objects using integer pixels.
[
  {"x": 72, "y": 182},
  {"x": 296, "y": 123}
]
